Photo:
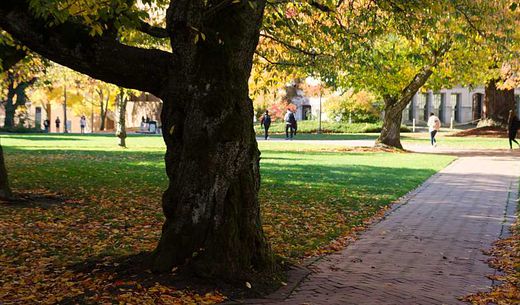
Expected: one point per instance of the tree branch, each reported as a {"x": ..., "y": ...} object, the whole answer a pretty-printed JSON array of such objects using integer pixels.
[
  {"x": 9, "y": 56},
  {"x": 278, "y": 63},
  {"x": 101, "y": 57},
  {"x": 288, "y": 45},
  {"x": 322, "y": 7},
  {"x": 153, "y": 31}
]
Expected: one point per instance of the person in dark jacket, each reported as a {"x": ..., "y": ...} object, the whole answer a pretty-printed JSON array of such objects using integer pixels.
[
  {"x": 266, "y": 123},
  {"x": 512, "y": 128},
  {"x": 57, "y": 122}
]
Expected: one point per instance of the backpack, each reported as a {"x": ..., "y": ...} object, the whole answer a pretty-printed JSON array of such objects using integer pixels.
[
  {"x": 292, "y": 119},
  {"x": 266, "y": 120}
]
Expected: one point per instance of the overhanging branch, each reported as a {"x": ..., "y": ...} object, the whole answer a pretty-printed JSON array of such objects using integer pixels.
[
  {"x": 101, "y": 57},
  {"x": 151, "y": 30}
]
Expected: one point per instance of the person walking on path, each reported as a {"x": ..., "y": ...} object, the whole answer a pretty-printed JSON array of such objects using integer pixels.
[
  {"x": 512, "y": 128},
  {"x": 266, "y": 123},
  {"x": 290, "y": 122},
  {"x": 82, "y": 123},
  {"x": 46, "y": 125},
  {"x": 434, "y": 124},
  {"x": 57, "y": 122}
]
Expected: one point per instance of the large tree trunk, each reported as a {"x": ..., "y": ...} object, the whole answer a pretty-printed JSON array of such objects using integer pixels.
[
  {"x": 391, "y": 131},
  {"x": 212, "y": 159},
  {"x": 5, "y": 190},
  {"x": 211, "y": 206},
  {"x": 497, "y": 103},
  {"x": 121, "y": 120}
]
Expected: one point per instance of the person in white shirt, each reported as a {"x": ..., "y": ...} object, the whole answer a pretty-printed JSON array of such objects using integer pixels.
[
  {"x": 434, "y": 124},
  {"x": 83, "y": 123},
  {"x": 290, "y": 124}
]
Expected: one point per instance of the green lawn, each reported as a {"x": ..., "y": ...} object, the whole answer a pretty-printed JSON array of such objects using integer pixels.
[
  {"x": 308, "y": 198},
  {"x": 443, "y": 139}
]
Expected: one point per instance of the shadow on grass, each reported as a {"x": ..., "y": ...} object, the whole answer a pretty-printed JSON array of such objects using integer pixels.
[{"x": 133, "y": 272}]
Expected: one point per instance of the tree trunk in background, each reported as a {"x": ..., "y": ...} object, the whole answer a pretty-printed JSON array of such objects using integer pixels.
[
  {"x": 102, "y": 115},
  {"x": 9, "y": 105},
  {"x": 64, "y": 111},
  {"x": 391, "y": 130},
  {"x": 5, "y": 190},
  {"x": 497, "y": 104},
  {"x": 121, "y": 121},
  {"x": 212, "y": 159}
]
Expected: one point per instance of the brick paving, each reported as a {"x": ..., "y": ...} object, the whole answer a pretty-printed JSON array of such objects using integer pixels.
[{"x": 428, "y": 250}]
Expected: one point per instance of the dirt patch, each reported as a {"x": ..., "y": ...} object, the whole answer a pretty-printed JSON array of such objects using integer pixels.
[
  {"x": 488, "y": 131},
  {"x": 359, "y": 149}
]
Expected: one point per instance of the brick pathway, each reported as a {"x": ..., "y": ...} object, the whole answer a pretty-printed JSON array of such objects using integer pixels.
[{"x": 428, "y": 250}]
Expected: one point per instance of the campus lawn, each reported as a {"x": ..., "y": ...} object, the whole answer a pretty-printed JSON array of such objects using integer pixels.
[
  {"x": 419, "y": 138},
  {"x": 310, "y": 195}
]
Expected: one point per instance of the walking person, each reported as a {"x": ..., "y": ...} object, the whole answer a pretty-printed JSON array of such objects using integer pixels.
[
  {"x": 512, "y": 128},
  {"x": 46, "y": 125},
  {"x": 266, "y": 123},
  {"x": 434, "y": 124},
  {"x": 57, "y": 122},
  {"x": 290, "y": 122},
  {"x": 82, "y": 124}
]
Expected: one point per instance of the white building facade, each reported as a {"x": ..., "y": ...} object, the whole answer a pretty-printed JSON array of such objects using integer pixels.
[{"x": 463, "y": 104}]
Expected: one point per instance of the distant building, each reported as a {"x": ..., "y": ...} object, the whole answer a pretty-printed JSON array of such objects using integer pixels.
[
  {"x": 143, "y": 105},
  {"x": 464, "y": 104}
]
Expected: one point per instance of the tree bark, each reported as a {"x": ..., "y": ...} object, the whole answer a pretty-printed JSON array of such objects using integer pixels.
[
  {"x": 395, "y": 105},
  {"x": 11, "y": 104},
  {"x": 212, "y": 159},
  {"x": 497, "y": 103},
  {"x": 213, "y": 224},
  {"x": 5, "y": 190},
  {"x": 121, "y": 120},
  {"x": 391, "y": 130},
  {"x": 9, "y": 113}
]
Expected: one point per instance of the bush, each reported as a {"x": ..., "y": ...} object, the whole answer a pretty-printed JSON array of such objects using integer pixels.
[
  {"x": 21, "y": 129},
  {"x": 358, "y": 106}
]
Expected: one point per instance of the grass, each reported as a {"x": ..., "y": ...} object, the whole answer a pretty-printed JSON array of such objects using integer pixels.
[
  {"x": 423, "y": 138},
  {"x": 456, "y": 142},
  {"x": 326, "y": 127},
  {"x": 310, "y": 196}
]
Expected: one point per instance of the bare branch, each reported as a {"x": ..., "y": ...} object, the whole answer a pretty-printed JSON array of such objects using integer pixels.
[
  {"x": 289, "y": 46},
  {"x": 278, "y": 63}
]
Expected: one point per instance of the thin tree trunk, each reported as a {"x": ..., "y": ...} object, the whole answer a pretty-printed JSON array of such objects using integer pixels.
[
  {"x": 121, "y": 121},
  {"x": 65, "y": 110},
  {"x": 102, "y": 112},
  {"x": 212, "y": 159},
  {"x": 497, "y": 103},
  {"x": 5, "y": 190}
]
